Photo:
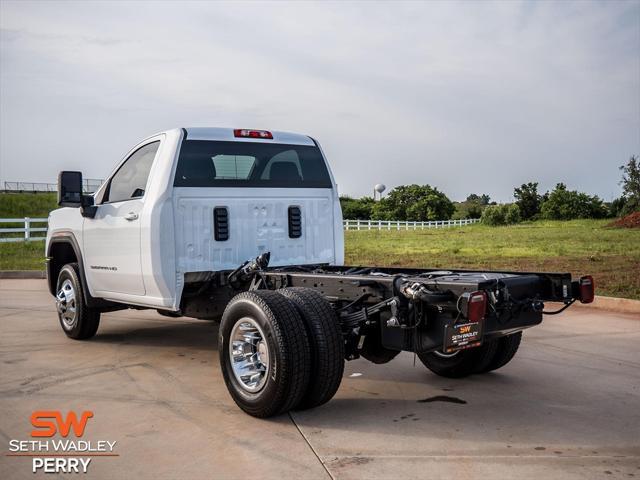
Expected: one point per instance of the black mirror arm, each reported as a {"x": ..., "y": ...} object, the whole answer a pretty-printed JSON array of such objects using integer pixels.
[{"x": 87, "y": 208}]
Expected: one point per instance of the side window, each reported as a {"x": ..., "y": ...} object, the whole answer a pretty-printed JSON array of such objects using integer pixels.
[{"x": 131, "y": 179}]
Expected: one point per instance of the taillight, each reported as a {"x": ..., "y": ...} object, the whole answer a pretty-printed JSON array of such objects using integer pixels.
[
  {"x": 587, "y": 289},
  {"x": 474, "y": 305},
  {"x": 244, "y": 133}
]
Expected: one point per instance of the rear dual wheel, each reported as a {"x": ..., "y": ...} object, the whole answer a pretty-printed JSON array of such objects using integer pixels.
[
  {"x": 506, "y": 350},
  {"x": 325, "y": 342},
  {"x": 491, "y": 355},
  {"x": 280, "y": 350}
]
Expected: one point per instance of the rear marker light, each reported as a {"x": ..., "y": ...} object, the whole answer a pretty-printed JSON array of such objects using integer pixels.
[
  {"x": 587, "y": 289},
  {"x": 473, "y": 305},
  {"x": 244, "y": 133}
]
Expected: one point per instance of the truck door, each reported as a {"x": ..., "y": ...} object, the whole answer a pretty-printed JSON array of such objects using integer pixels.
[{"x": 112, "y": 238}]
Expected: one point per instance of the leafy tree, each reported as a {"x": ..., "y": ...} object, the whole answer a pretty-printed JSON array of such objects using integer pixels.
[
  {"x": 483, "y": 199},
  {"x": 513, "y": 214},
  {"x": 528, "y": 200},
  {"x": 414, "y": 203},
  {"x": 356, "y": 208},
  {"x": 563, "y": 204},
  {"x": 631, "y": 185},
  {"x": 472, "y": 207},
  {"x": 506, "y": 214},
  {"x": 616, "y": 207},
  {"x": 467, "y": 209},
  {"x": 474, "y": 211}
]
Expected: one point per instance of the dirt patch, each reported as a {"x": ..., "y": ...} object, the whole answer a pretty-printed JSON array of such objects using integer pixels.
[{"x": 630, "y": 221}]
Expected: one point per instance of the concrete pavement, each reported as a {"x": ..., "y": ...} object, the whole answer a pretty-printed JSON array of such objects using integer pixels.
[{"x": 566, "y": 407}]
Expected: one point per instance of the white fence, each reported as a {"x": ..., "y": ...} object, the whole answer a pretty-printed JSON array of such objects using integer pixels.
[
  {"x": 89, "y": 185},
  {"x": 403, "y": 225},
  {"x": 27, "y": 229}
]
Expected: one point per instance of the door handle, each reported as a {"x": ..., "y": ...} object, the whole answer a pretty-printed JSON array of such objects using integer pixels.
[{"x": 131, "y": 216}]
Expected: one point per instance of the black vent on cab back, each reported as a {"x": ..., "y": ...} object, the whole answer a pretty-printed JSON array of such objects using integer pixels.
[
  {"x": 221, "y": 224},
  {"x": 295, "y": 222}
]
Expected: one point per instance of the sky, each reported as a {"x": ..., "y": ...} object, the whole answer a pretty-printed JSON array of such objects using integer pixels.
[{"x": 470, "y": 97}]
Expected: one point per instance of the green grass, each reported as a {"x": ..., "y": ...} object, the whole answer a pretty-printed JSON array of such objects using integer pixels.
[
  {"x": 580, "y": 247},
  {"x": 20, "y": 205},
  {"x": 22, "y": 256}
]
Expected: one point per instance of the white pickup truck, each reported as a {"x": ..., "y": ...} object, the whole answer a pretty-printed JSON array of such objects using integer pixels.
[{"x": 172, "y": 228}]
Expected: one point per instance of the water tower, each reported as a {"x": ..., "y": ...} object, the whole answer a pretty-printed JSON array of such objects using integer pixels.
[{"x": 378, "y": 188}]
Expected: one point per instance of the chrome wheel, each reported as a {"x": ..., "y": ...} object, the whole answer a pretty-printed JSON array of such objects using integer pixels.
[
  {"x": 249, "y": 354},
  {"x": 66, "y": 304}
]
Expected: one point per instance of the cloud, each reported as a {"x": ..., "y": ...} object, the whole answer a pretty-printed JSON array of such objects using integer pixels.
[{"x": 469, "y": 96}]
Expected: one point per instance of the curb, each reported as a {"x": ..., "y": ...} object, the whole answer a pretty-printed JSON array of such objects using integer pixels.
[
  {"x": 22, "y": 274},
  {"x": 612, "y": 304}
]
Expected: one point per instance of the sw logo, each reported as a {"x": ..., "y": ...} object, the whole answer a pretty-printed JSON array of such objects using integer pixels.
[
  {"x": 465, "y": 329},
  {"x": 46, "y": 427},
  {"x": 62, "y": 454}
]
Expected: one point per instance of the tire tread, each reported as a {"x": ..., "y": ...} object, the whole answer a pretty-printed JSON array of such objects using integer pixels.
[
  {"x": 326, "y": 342},
  {"x": 507, "y": 347}
]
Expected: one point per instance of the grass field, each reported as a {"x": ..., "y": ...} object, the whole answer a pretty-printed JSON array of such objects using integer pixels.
[
  {"x": 581, "y": 247},
  {"x": 20, "y": 205},
  {"x": 22, "y": 256}
]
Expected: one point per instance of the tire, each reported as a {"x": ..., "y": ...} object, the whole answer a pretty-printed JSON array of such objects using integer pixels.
[
  {"x": 462, "y": 363},
  {"x": 326, "y": 342},
  {"x": 270, "y": 334},
  {"x": 505, "y": 351},
  {"x": 76, "y": 319}
]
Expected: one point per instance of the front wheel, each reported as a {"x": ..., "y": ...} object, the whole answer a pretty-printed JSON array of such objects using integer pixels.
[{"x": 76, "y": 319}]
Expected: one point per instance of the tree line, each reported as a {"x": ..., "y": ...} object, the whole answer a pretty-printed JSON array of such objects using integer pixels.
[{"x": 426, "y": 203}]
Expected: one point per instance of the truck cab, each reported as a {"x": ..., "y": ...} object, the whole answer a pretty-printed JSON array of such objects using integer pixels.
[{"x": 193, "y": 200}]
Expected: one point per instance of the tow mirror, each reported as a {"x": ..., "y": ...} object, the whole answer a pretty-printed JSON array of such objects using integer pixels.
[
  {"x": 70, "y": 189},
  {"x": 70, "y": 194}
]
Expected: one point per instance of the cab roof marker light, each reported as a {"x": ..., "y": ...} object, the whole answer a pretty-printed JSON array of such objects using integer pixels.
[{"x": 244, "y": 133}]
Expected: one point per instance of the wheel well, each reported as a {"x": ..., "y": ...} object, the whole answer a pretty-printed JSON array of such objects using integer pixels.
[{"x": 60, "y": 253}]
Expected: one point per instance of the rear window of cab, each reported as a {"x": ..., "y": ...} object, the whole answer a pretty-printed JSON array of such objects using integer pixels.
[{"x": 208, "y": 163}]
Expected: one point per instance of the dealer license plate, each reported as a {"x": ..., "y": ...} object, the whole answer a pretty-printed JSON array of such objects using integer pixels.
[{"x": 461, "y": 336}]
